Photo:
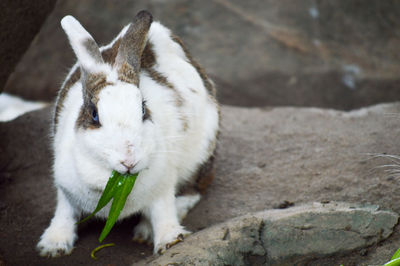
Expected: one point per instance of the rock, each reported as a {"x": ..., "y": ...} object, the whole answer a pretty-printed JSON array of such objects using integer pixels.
[
  {"x": 266, "y": 156},
  {"x": 284, "y": 237},
  {"x": 270, "y": 155},
  {"x": 20, "y": 22},
  {"x": 258, "y": 52}
]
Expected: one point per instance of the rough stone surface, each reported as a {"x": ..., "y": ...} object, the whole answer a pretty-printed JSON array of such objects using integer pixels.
[
  {"x": 258, "y": 52},
  {"x": 20, "y": 21},
  {"x": 284, "y": 237},
  {"x": 266, "y": 156}
]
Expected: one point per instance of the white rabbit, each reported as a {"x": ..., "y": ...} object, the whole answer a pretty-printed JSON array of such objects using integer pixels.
[{"x": 140, "y": 104}]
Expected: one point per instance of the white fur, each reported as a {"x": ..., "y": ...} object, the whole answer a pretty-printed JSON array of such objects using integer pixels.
[
  {"x": 165, "y": 154},
  {"x": 77, "y": 35},
  {"x": 12, "y": 106}
]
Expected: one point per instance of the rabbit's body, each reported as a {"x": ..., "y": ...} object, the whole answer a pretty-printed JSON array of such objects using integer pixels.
[{"x": 165, "y": 129}]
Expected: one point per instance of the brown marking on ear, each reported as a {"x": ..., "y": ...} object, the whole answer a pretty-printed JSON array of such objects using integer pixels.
[
  {"x": 110, "y": 54},
  {"x": 62, "y": 94},
  {"x": 93, "y": 49},
  {"x": 132, "y": 46},
  {"x": 207, "y": 83},
  {"x": 126, "y": 73}
]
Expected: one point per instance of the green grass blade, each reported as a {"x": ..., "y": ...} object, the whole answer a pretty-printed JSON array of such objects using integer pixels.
[
  {"x": 395, "y": 262},
  {"x": 98, "y": 248},
  {"x": 108, "y": 193},
  {"x": 396, "y": 254},
  {"x": 118, "y": 203}
]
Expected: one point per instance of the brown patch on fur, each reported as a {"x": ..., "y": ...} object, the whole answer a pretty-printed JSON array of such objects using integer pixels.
[
  {"x": 207, "y": 83},
  {"x": 205, "y": 175},
  {"x": 206, "y": 172},
  {"x": 185, "y": 124},
  {"x": 127, "y": 73},
  {"x": 201, "y": 180},
  {"x": 108, "y": 55},
  {"x": 84, "y": 120},
  {"x": 148, "y": 59},
  {"x": 159, "y": 78},
  {"x": 63, "y": 94},
  {"x": 93, "y": 84}
]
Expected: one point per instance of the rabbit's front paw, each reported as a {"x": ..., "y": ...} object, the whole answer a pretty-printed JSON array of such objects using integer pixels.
[
  {"x": 169, "y": 239},
  {"x": 56, "y": 241}
]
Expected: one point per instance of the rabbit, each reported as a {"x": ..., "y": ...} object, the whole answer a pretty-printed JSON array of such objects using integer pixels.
[{"x": 140, "y": 104}]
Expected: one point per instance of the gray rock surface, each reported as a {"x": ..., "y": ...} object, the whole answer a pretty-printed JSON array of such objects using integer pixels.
[
  {"x": 20, "y": 21},
  {"x": 266, "y": 156},
  {"x": 339, "y": 54},
  {"x": 296, "y": 235}
]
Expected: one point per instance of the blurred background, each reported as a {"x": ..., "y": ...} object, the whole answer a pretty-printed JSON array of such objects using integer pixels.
[{"x": 341, "y": 54}]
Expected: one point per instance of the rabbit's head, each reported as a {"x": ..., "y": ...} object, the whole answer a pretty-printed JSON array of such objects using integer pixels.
[{"x": 114, "y": 126}]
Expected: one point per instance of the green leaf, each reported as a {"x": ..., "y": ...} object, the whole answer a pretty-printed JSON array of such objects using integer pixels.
[
  {"x": 108, "y": 193},
  {"x": 396, "y": 254},
  {"x": 395, "y": 262},
  {"x": 118, "y": 203}
]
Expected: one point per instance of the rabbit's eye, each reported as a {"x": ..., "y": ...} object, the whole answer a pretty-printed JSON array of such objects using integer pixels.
[
  {"x": 95, "y": 115},
  {"x": 145, "y": 111},
  {"x": 144, "y": 108}
]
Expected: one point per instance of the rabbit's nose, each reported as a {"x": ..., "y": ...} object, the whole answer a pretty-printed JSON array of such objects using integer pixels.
[{"x": 128, "y": 164}]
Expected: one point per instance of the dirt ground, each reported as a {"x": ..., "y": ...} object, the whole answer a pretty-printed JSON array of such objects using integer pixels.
[{"x": 294, "y": 154}]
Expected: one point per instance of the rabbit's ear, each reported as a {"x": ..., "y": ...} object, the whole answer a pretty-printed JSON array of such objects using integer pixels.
[
  {"x": 85, "y": 47},
  {"x": 131, "y": 48}
]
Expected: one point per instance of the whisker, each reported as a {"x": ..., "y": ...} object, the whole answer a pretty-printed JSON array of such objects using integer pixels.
[
  {"x": 388, "y": 165},
  {"x": 165, "y": 152},
  {"x": 174, "y": 137},
  {"x": 393, "y": 158},
  {"x": 391, "y": 168},
  {"x": 396, "y": 115},
  {"x": 393, "y": 171}
]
